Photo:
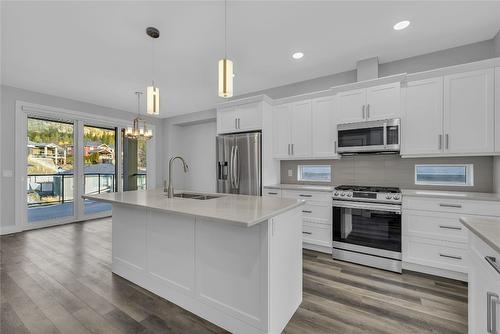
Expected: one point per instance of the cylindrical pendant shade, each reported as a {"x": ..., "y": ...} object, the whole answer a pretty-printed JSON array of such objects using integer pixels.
[
  {"x": 225, "y": 78},
  {"x": 153, "y": 100}
]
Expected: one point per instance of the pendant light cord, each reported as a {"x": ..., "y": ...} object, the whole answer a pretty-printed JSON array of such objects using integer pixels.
[
  {"x": 225, "y": 29},
  {"x": 152, "y": 60}
]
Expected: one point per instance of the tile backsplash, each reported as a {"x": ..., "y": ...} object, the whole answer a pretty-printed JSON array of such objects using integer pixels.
[{"x": 390, "y": 170}]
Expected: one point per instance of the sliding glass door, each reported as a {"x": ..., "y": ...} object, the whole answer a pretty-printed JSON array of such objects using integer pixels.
[
  {"x": 99, "y": 167},
  {"x": 50, "y": 171}
]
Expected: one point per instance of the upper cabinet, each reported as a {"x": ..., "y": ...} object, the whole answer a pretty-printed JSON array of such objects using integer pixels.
[
  {"x": 367, "y": 104},
  {"x": 497, "y": 109},
  {"x": 422, "y": 123},
  {"x": 241, "y": 118},
  {"x": 450, "y": 115},
  {"x": 469, "y": 112},
  {"x": 324, "y": 127},
  {"x": 292, "y": 130}
]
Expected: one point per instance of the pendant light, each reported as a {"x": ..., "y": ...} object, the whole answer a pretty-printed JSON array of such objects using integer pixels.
[
  {"x": 153, "y": 92},
  {"x": 225, "y": 66},
  {"x": 139, "y": 131}
]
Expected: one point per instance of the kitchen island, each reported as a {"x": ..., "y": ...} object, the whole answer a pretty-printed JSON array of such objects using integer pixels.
[{"x": 233, "y": 260}]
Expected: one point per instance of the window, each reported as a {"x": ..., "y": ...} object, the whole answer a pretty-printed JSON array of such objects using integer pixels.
[
  {"x": 321, "y": 173},
  {"x": 446, "y": 175}
]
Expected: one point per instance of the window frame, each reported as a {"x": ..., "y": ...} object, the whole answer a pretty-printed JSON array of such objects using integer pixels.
[
  {"x": 469, "y": 176},
  {"x": 301, "y": 179}
]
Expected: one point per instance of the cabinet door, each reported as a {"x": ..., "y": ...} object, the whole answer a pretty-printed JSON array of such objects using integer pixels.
[
  {"x": 497, "y": 109},
  {"x": 324, "y": 127},
  {"x": 351, "y": 106},
  {"x": 383, "y": 101},
  {"x": 469, "y": 112},
  {"x": 281, "y": 131},
  {"x": 422, "y": 126},
  {"x": 226, "y": 120},
  {"x": 250, "y": 117},
  {"x": 301, "y": 129}
]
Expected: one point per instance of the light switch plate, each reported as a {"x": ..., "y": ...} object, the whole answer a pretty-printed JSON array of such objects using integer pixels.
[{"x": 290, "y": 172}]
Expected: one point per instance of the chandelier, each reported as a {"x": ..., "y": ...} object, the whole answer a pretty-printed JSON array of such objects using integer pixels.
[{"x": 139, "y": 130}]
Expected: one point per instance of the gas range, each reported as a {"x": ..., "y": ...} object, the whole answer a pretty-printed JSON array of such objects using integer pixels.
[{"x": 368, "y": 194}]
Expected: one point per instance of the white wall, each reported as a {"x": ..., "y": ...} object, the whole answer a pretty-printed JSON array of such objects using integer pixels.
[
  {"x": 195, "y": 142},
  {"x": 7, "y": 132}
]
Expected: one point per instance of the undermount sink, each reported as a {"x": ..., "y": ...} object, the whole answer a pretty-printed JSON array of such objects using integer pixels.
[{"x": 195, "y": 196}]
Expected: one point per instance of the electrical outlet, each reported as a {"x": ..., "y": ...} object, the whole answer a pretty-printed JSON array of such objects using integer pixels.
[{"x": 290, "y": 172}]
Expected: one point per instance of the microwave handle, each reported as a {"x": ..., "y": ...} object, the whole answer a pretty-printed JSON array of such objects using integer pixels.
[{"x": 385, "y": 134}]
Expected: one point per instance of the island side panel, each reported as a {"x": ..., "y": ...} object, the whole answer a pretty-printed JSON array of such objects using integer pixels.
[
  {"x": 285, "y": 268},
  {"x": 232, "y": 270}
]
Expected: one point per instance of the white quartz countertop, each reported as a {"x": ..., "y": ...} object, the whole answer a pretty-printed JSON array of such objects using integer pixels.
[
  {"x": 235, "y": 209},
  {"x": 487, "y": 229},
  {"x": 469, "y": 195},
  {"x": 300, "y": 187}
]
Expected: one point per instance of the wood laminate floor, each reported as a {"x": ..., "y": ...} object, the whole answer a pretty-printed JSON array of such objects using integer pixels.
[{"x": 58, "y": 280}]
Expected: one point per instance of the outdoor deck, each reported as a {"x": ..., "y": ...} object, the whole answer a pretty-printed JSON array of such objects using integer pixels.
[{"x": 60, "y": 210}]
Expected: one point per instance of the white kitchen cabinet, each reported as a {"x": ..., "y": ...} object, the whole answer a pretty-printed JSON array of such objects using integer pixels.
[
  {"x": 301, "y": 129},
  {"x": 469, "y": 112},
  {"x": 292, "y": 130},
  {"x": 497, "y": 109},
  {"x": 324, "y": 127},
  {"x": 351, "y": 106},
  {"x": 422, "y": 125},
  {"x": 383, "y": 101},
  {"x": 369, "y": 104},
  {"x": 282, "y": 131},
  {"x": 246, "y": 117},
  {"x": 484, "y": 288}
]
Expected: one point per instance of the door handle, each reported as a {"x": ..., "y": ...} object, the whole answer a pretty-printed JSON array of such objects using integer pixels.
[
  {"x": 288, "y": 149},
  {"x": 237, "y": 167},
  {"x": 451, "y": 256},
  {"x": 491, "y": 312},
  {"x": 363, "y": 111},
  {"x": 450, "y": 227},
  {"x": 231, "y": 167},
  {"x": 335, "y": 147},
  {"x": 302, "y": 195},
  {"x": 235, "y": 123},
  {"x": 368, "y": 111},
  {"x": 272, "y": 193},
  {"x": 292, "y": 149},
  {"x": 440, "y": 142},
  {"x": 239, "y": 123},
  {"x": 447, "y": 141},
  {"x": 307, "y": 211},
  {"x": 445, "y": 205},
  {"x": 306, "y": 232}
]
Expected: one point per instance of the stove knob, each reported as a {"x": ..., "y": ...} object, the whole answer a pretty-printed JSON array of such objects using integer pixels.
[
  {"x": 397, "y": 197},
  {"x": 388, "y": 196},
  {"x": 349, "y": 195},
  {"x": 336, "y": 193},
  {"x": 342, "y": 194}
]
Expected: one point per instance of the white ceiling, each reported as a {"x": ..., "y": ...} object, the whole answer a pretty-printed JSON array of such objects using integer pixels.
[{"x": 98, "y": 52}]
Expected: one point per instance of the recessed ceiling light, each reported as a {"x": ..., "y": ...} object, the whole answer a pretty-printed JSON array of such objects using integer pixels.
[
  {"x": 401, "y": 25},
  {"x": 298, "y": 55}
]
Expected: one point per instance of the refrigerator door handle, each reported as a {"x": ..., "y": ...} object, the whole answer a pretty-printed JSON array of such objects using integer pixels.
[
  {"x": 231, "y": 167},
  {"x": 236, "y": 167}
]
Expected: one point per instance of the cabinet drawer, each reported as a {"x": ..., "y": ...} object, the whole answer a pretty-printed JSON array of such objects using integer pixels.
[
  {"x": 471, "y": 207},
  {"x": 271, "y": 192},
  {"x": 309, "y": 195},
  {"x": 317, "y": 211},
  {"x": 316, "y": 234},
  {"x": 434, "y": 225},
  {"x": 434, "y": 253}
]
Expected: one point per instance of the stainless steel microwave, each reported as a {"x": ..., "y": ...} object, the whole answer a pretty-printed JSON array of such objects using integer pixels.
[{"x": 369, "y": 137}]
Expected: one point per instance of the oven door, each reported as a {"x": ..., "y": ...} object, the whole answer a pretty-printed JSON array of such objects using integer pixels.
[
  {"x": 368, "y": 228},
  {"x": 372, "y": 136}
]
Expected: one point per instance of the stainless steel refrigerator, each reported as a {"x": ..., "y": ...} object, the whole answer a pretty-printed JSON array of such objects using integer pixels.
[{"x": 239, "y": 163}]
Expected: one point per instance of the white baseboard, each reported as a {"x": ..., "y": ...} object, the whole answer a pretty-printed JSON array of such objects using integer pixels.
[
  {"x": 9, "y": 229},
  {"x": 435, "y": 271},
  {"x": 322, "y": 249}
]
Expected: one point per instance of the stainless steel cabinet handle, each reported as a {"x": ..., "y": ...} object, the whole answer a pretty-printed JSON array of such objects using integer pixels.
[
  {"x": 450, "y": 227},
  {"x": 335, "y": 146},
  {"x": 450, "y": 205},
  {"x": 239, "y": 123},
  {"x": 368, "y": 111},
  {"x": 307, "y": 211},
  {"x": 363, "y": 111},
  {"x": 292, "y": 149},
  {"x": 447, "y": 141},
  {"x": 440, "y": 142},
  {"x": 306, "y": 233},
  {"x": 302, "y": 195},
  {"x": 288, "y": 149},
  {"x": 491, "y": 312},
  {"x": 493, "y": 262},
  {"x": 235, "y": 123},
  {"x": 270, "y": 193},
  {"x": 451, "y": 256}
]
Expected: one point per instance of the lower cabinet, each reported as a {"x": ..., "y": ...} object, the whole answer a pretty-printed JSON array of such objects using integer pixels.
[
  {"x": 316, "y": 216},
  {"x": 434, "y": 241},
  {"x": 484, "y": 288}
]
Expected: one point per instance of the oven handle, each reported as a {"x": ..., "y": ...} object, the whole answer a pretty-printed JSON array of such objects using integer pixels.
[{"x": 368, "y": 206}]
